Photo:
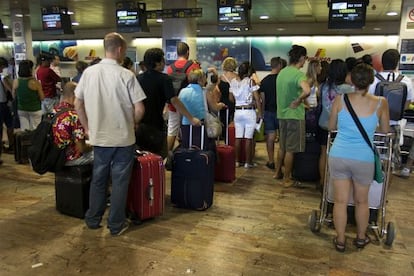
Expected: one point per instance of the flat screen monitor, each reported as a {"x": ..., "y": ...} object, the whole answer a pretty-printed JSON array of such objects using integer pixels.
[
  {"x": 347, "y": 14},
  {"x": 233, "y": 17},
  {"x": 57, "y": 23},
  {"x": 131, "y": 20}
]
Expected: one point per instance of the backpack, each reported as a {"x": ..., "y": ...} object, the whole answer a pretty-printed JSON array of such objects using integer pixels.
[
  {"x": 395, "y": 92},
  {"x": 179, "y": 76},
  {"x": 44, "y": 155}
]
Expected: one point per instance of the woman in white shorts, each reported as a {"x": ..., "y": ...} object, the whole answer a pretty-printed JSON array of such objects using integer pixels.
[{"x": 245, "y": 92}]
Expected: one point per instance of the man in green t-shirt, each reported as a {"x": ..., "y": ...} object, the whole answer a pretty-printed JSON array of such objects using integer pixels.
[{"x": 292, "y": 89}]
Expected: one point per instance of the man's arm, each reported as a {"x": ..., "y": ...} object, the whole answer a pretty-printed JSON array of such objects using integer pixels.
[
  {"x": 305, "y": 93},
  {"x": 80, "y": 109},
  {"x": 183, "y": 110},
  {"x": 139, "y": 110}
]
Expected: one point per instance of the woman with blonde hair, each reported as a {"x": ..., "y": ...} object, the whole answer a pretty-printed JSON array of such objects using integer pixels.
[
  {"x": 229, "y": 67},
  {"x": 314, "y": 69},
  {"x": 193, "y": 99}
]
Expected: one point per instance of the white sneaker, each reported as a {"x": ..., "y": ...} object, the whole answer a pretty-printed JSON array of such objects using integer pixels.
[
  {"x": 248, "y": 166},
  {"x": 405, "y": 172}
]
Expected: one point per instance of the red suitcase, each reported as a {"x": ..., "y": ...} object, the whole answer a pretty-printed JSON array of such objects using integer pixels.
[
  {"x": 147, "y": 187},
  {"x": 225, "y": 168}
]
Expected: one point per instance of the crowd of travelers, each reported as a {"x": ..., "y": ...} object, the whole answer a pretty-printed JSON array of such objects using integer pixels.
[{"x": 108, "y": 109}]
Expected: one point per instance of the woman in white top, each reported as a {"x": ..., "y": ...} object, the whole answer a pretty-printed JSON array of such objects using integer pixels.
[{"x": 245, "y": 92}]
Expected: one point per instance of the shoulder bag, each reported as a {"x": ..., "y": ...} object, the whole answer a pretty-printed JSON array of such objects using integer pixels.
[
  {"x": 212, "y": 121},
  {"x": 378, "y": 172}
]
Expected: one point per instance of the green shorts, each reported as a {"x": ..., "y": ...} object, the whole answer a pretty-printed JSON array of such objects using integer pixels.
[{"x": 292, "y": 135}]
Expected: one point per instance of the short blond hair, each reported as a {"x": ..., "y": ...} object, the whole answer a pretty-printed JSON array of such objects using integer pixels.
[
  {"x": 229, "y": 64},
  {"x": 114, "y": 40},
  {"x": 194, "y": 76}
]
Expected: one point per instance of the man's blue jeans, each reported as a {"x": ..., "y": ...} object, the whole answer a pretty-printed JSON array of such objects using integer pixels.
[{"x": 117, "y": 162}]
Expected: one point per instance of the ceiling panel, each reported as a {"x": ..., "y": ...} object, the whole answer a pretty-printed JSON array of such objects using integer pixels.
[{"x": 100, "y": 14}]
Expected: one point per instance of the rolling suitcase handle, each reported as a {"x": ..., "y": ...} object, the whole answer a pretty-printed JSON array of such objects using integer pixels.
[{"x": 190, "y": 142}]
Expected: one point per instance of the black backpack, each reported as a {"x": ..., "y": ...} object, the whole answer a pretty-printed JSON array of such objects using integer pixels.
[
  {"x": 395, "y": 92},
  {"x": 179, "y": 76},
  {"x": 43, "y": 154}
]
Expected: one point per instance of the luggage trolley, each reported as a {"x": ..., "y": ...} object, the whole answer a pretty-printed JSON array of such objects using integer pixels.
[{"x": 377, "y": 194}]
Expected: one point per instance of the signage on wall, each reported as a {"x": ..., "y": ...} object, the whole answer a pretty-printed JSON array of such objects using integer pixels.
[
  {"x": 175, "y": 13},
  {"x": 410, "y": 19}
]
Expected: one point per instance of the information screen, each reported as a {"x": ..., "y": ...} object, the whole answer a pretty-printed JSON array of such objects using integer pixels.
[
  {"x": 51, "y": 21},
  {"x": 347, "y": 14},
  {"x": 235, "y": 15}
]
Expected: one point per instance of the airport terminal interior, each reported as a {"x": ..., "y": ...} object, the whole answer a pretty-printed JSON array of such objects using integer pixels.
[{"x": 255, "y": 226}]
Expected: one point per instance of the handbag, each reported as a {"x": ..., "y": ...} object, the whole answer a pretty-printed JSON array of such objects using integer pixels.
[
  {"x": 378, "y": 170},
  {"x": 212, "y": 122}
]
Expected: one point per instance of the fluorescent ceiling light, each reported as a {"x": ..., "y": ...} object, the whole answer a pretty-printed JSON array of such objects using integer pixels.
[
  {"x": 159, "y": 20},
  {"x": 392, "y": 13},
  {"x": 75, "y": 23},
  {"x": 264, "y": 17}
]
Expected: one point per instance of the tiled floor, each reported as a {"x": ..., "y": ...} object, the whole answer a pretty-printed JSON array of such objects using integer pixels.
[{"x": 255, "y": 227}]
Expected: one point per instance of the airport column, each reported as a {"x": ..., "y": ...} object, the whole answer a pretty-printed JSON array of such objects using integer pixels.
[
  {"x": 178, "y": 29},
  {"x": 22, "y": 34}
]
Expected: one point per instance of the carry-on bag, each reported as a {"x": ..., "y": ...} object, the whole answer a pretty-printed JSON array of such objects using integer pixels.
[
  {"x": 192, "y": 178},
  {"x": 147, "y": 187},
  {"x": 72, "y": 185},
  {"x": 225, "y": 168},
  {"x": 22, "y": 142},
  {"x": 306, "y": 164}
]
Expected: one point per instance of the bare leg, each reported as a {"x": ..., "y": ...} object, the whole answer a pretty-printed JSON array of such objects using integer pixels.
[
  {"x": 288, "y": 163},
  {"x": 361, "y": 209},
  {"x": 342, "y": 188},
  {"x": 237, "y": 148},
  {"x": 249, "y": 152},
  {"x": 270, "y": 146},
  {"x": 170, "y": 142},
  {"x": 279, "y": 163}
]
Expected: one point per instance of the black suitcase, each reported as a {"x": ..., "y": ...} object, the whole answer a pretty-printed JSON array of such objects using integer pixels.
[
  {"x": 306, "y": 164},
  {"x": 22, "y": 141},
  {"x": 72, "y": 190},
  {"x": 192, "y": 179}
]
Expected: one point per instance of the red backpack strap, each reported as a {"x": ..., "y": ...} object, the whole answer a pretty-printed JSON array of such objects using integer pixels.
[{"x": 187, "y": 65}]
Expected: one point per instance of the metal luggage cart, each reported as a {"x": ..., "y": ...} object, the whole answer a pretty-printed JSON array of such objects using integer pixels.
[{"x": 377, "y": 194}]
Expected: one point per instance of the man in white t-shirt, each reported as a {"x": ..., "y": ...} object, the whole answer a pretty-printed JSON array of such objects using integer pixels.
[
  {"x": 390, "y": 60},
  {"x": 109, "y": 105}
]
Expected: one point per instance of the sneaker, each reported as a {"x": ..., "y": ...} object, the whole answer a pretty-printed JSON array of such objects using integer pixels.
[
  {"x": 124, "y": 227},
  {"x": 405, "y": 173},
  {"x": 270, "y": 165},
  {"x": 248, "y": 166},
  {"x": 288, "y": 183},
  {"x": 94, "y": 227}
]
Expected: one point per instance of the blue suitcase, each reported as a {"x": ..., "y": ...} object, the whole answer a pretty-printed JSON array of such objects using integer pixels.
[{"x": 192, "y": 178}]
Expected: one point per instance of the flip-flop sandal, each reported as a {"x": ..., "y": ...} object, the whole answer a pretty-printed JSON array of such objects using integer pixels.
[
  {"x": 339, "y": 246},
  {"x": 278, "y": 177},
  {"x": 361, "y": 243}
]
